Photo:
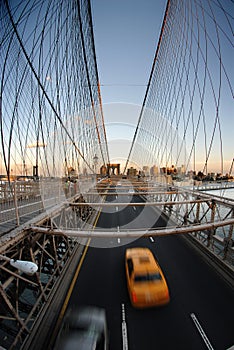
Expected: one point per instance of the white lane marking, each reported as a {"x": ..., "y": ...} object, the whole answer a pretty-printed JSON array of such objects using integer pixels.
[
  {"x": 151, "y": 238},
  {"x": 134, "y": 208},
  {"x": 201, "y": 331},
  {"x": 124, "y": 329},
  {"x": 116, "y": 208},
  {"x": 118, "y": 231}
]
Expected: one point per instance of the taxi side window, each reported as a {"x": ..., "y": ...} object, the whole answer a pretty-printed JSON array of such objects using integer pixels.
[{"x": 130, "y": 266}]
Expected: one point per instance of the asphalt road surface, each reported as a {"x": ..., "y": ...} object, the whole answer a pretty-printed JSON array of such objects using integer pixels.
[{"x": 200, "y": 313}]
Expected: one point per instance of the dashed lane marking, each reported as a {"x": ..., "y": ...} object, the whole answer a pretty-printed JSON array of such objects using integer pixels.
[{"x": 124, "y": 329}]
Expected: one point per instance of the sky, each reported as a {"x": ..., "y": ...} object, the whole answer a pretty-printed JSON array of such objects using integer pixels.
[{"x": 126, "y": 34}]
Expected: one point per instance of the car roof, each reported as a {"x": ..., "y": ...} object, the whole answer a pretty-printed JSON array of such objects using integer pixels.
[
  {"x": 87, "y": 317},
  {"x": 82, "y": 328},
  {"x": 143, "y": 260},
  {"x": 139, "y": 253}
]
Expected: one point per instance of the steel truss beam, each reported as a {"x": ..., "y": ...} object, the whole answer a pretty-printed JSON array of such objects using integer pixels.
[
  {"x": 134, "y": 233},
  {"x": 137, "y": 204},
  {"x": 21, "y": 296}
]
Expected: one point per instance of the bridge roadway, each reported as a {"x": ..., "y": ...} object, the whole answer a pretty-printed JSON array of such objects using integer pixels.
[{"x": 199, "y": 315}]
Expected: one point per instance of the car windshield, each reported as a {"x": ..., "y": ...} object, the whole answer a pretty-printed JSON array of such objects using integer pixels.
[{"x": 148, "y": 277}]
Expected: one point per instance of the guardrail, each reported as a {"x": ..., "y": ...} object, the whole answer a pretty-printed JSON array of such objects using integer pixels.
[{"x": 21, "y": 201}]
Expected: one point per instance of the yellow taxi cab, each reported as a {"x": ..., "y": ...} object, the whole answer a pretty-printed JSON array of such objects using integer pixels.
[{"x": 146, "y": 283}]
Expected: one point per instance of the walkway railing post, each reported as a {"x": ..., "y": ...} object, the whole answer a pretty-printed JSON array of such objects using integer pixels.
[
  {"x": 228, "y": 241},
  {"x": 212, "y": 231},
  {"x": 16, "y": 205},
  {"x": 198, "y": 206}
]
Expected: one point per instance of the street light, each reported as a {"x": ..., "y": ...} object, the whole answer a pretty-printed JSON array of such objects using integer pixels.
[
  {"x": 27, "y": 267},
  {"x": 95, "y": 162}
]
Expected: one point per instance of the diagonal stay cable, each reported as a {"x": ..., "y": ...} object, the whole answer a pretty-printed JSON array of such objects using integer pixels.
[
  {"x": 41, "y": 86},
  {"x": 148, "y": 86}
]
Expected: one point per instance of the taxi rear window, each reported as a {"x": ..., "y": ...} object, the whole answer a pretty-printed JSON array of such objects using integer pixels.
[{"x": 150, "y": 277}]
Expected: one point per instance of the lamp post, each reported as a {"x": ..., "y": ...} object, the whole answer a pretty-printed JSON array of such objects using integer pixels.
[
  {"x": 95, "y": 163},
  {"x": 27, "y": 267}
]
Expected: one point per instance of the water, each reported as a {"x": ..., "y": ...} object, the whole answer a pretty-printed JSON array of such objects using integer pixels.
[
  {"x": 223, "y": 211},
  {"x": 225, "y": 193}
]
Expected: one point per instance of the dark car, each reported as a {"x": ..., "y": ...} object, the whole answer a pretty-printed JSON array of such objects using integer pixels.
[{"x": 84, "y": 329}]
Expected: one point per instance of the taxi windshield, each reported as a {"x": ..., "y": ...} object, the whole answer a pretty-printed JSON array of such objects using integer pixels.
[{"x": 149, "y": 277}]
